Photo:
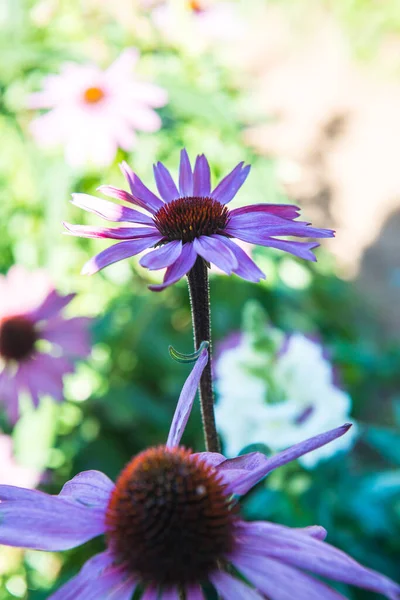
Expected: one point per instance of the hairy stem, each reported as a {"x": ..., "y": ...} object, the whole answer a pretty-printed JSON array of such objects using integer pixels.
[{"x": 200, "y": 304}]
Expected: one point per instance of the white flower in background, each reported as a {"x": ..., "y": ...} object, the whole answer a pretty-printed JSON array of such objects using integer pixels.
[{"x": 279, "y": 397}]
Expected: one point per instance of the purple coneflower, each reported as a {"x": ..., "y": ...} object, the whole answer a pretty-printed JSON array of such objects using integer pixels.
[
  {"x": 192, "y": 221},
  {"x": 37, "y": 344},
  {"x": 172, "y": 524}
]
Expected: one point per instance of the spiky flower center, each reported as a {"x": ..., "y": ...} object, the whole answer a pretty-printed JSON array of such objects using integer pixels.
[
  {"x": 17, "y": 338},
  {"x": 93, "y": 95},
  {"x": 169, "y": 520},
  {"x": 188, "y": 218}
]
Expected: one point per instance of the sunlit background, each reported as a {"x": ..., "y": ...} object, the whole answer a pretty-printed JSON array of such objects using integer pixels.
[{"x": 308, "y": 93}]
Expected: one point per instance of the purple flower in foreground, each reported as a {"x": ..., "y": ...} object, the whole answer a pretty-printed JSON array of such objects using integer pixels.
[
  {"x": 172, "y": 524},
  {"x": 37, "y": 344},
  {"x": 192, "y": 221}
]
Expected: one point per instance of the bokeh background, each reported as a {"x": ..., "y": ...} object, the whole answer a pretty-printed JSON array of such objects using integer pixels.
[{"x": 306, "y": 91}]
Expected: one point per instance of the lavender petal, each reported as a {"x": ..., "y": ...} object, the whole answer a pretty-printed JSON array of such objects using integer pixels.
[
  {"x": 231, "y": 588},
  {"x": 307, "y": 552},
  {"x": 194, "y": 592},
  {"x": 89, "y": 488},
  {"x": 118, "y": 252},
  {"x": 185, "y": 175},
  {"x": 165, "y": 184},
  {"x": 151, "y": 593},
  {"x": 142, "y": 195},
  {"x": 202, "y": 177},
  {"x": 260, "y": 465},
  {"x": 266, "y": 225},
  {"x": 178, "y": 269},
  {"x": 163, "y": 256},
  {"x": 98, "y": 579},
  {"x": 284, "y": 211},
  {"x": 212, "y": 249},
  {"x": 112, "y": 233},
  {"x": 278, "y": 580},
  {"x": 109, "y": 210},
  {"x": 170, "y": 594},
  {"x": 32, "y": 519},
  {"x": 230, "y": 185},
  {"x": 247, "y": 268},
  {"x": 186, "y": 399}
]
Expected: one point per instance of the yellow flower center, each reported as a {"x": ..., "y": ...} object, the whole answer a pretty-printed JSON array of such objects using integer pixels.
[{"x": 93, "y": 95}]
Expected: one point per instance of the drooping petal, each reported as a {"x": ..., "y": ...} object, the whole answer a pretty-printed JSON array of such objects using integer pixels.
[
  {"x": 247, "y": 268},
  {"x": 89, "y": 488},
  {"x": 150, "y": 593},
  {"x": 92, "y": 568},
  {"x": 231, "y": 588},
  {"x": 186, "y": 399},
  {"x": 201, "y": 177},
  {"x": 118, "y": 252},
  {"x": 253, "y": 467},
  {"x": 143, "y": 196},
  {"x": 32, "y": 519},
  {"x": 185, "y": 175},
  {"x": 163, "y": 256},
  {"x": 212, "y": 249},
  {"x": 165, "y": 184},
  {"x": 178, "y": 269},
  {"x": 278, "y": 580},
  {"x": 230, "y": 185},
  {"x": 109, "y": 210},
  {"x": 98, "y": 579},
  {"x": 170, "y": 594},
  {"x": 285, "y": 211},
  {"x": 293, "y": 547},
  {"x": 194, "y": 592},
  {"x": 112, "y": 233},
  {"x": 52, "y": 304}
]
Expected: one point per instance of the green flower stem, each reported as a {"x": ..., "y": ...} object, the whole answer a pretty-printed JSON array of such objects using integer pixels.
[{"x": 199, "y": 292}]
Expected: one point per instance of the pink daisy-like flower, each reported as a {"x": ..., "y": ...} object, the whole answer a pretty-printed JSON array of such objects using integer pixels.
[
  {"x": 172, "y": 523},
  {"x": 182, "y": 224},
  {"x": 94, "y": 112},
  {"x": 37, "y": 344}
]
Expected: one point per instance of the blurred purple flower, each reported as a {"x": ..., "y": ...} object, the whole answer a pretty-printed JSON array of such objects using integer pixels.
[
  {"x": 172, "y": 523},
  {"x": 93, "y": 112},
  {"x": 37, "y": 344},
  {"x": 192, "y": 221}
]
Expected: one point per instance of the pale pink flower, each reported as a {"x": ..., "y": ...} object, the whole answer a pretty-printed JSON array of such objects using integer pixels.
[
  {"x": 12, "y": 473},
  {"x": 38, "y": 345},
  {"x": 198, "y": 24},
  {"x": 94, "y": 112}
]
